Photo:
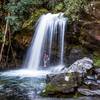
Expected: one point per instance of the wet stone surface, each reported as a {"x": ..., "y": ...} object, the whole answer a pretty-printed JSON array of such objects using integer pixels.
[{"x": 16, "y": 88}]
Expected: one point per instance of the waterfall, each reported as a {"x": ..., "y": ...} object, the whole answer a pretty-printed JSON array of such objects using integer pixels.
[
  {"x": 62, "y": 32},
  {"x": 48, "y": 26}
]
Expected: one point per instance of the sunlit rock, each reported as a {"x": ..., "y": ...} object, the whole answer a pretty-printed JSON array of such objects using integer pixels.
[{"x": 81, "y": 66}]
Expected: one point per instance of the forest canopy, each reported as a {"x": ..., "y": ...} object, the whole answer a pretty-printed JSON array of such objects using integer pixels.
[{"x": 23, "y": 10}]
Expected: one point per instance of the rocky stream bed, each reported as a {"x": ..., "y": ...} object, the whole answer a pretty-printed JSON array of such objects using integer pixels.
[{"x": 81, "y": 81}]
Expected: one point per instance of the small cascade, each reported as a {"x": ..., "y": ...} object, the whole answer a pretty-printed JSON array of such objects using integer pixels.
[{"x": 48, "y": 27}]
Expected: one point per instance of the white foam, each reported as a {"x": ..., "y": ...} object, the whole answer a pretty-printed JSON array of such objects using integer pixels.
[
  {"x": 25, "y": 73},
  {"x": 35, "y": 73}
]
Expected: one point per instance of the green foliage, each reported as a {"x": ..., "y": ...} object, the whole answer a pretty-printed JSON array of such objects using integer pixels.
[
  {"x": 51, "y": 3},
  {"x": 74, "y": 7},
  {"x": 33, "y": 18},
  {"x": 22, "y": 6},
  {"x": 59, "y": 7},
  {"x": 54, "y": 5},
  {"x": 14, "y": 22},
  {"x": 20, "y": 11},
  {"x": 97, "y": 62},
  {"x": 17, "y": 11}
]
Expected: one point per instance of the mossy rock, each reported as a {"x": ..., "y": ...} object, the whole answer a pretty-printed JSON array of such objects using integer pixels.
[
  {"x": 96, "y": 58},
  {"x": 64, "y": 83}
]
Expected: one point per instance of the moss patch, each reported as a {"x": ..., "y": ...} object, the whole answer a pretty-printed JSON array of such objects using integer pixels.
[
  {"x": 49, "y": 90},
  {"x": 96, "y": 58}
]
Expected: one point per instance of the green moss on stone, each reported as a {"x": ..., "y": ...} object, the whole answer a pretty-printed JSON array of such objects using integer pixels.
[
  {"x": 51, "y": 88},
  {"x": 96, "y": 58}
]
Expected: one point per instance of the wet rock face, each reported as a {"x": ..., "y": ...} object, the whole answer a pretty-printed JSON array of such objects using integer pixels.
[
  {"x": 90, "y": 33},
  {"x": 94, "y": 9},
  {"x": 75, "y": 54},
  {"x": 69, "y": 81},
  {"x": 63, "y": 83}
]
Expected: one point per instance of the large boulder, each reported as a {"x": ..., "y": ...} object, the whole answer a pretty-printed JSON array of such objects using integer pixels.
[
  {"x": 69, "y": 81},
  {"x": 62, "y": 83},
  {"x": 81, "y": 66}
]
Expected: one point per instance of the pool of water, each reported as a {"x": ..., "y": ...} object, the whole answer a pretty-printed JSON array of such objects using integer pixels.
[
  {"x": 18, "y": 88},
  {"x": 22, "y": 86}
]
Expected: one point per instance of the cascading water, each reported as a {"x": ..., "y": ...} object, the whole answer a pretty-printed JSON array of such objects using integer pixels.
[
  {"x": 48, "y": 26},
  {"x": 62, "y": 32},
  {"x": 50, "y": 29}
]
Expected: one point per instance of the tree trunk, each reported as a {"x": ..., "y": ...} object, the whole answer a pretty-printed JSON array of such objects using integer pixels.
[{"x": 4, "y": 40}]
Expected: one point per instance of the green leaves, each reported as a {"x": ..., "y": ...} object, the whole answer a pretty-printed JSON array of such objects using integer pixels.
[
  {"x": 20, "y": 11},
  {"x": 74, "y": 7},
  {"x": 14, "y": 22},
  {"x": 33, "y": 18},
  {"x": 59, "y": 7},
  {"x": 52, "y": 4}
]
